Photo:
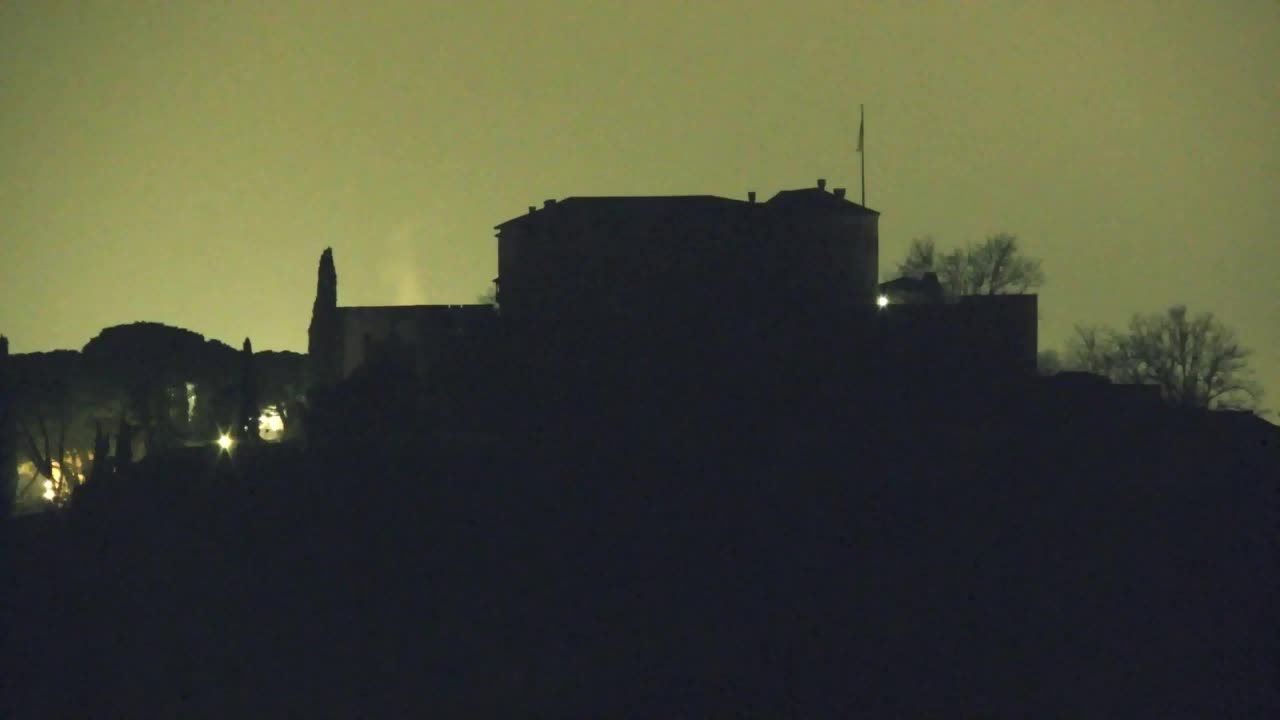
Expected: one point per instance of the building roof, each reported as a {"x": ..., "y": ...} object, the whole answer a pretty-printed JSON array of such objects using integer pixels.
[
  {"x": 816, "y": 198},
  {"x": 416, "y": 309},
  {"x": 639, "y": 204},
  {"x": 806, "y": 199},
  {"x": 906, "y": 283},
  {"x": 694, "y": 201}
]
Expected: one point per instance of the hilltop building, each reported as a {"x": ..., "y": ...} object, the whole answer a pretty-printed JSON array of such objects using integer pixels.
[
  {"x": 661, "y": 295},
  {"x": 912, "y": 291},
  {"x": 634, "y": 255},
  {"x": 801, "y": 266}
]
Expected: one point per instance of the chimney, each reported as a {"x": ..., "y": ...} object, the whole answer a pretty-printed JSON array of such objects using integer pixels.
[
  {"x": 548, "y": 203},
  {"x": 751, "y": 197},
  {"x": 839, "y": 193},
  {"x": 822, "y": 183},
  {"x": 533, "y": 209}
]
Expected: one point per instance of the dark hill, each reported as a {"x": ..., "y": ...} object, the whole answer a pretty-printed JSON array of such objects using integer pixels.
[{"x": 953, "y": 570}]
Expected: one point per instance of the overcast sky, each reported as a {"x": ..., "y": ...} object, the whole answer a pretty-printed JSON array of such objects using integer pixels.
[{"x": 187, "y": 162}]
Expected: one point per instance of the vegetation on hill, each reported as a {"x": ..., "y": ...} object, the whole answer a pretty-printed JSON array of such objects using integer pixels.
[
  {"x": 1195, "y": 359},
  {"x": 994, "y": 266},
  {"x": 894, "y": 571}
]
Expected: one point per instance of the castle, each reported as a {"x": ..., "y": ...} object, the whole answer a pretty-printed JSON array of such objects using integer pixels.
[{"x": 650, "y": 287}]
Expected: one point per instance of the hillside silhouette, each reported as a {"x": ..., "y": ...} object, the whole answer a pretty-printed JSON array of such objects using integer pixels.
[
  {"x": 891, "y": 569},
  {"x": 691, "y": 459}
]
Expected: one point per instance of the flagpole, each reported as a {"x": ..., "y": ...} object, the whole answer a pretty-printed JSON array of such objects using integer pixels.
[{"x": 862, "y": 157}]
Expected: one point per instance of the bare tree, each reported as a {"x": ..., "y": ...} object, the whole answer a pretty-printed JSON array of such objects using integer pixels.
[
  {"x": 1196, "y": 360},
  {"x": 1048, "y": 362},
  {"x": 992, "y": 267},
  {"x": 954, "y": 275},
  {"x": 47, "y": 425},
  {"x": 57, "y": 407},
  {"x": 921, "y": 257},
  {"x": 995, "y": 267},
  {"x": 1101, "y": 351}
]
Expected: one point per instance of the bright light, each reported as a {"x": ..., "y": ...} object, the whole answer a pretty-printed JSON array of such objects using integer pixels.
[
  {"x": 224, "y": 441},
  {"x": 51, "y": 485},
  {"x": 882, "y": 301},
  {"x": 270, "y": 424}
]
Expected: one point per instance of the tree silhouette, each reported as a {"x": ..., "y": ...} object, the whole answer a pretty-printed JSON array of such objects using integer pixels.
[
  {"x": 101, "y": 453},
  {"x": 151, "y": 364},
  {"x": 54, "y": 404},
  {"x": 246, "y": 425},
  {"x": 124, "y": 445},
  {"x": 1097, "y": 350},
  {"x": 992, "y": 267},
  {"x": 8, "y": 435},
  {"x": 281, "y": 382},
  {"x": 1048, "y": 362},
  {"x": 322, "y": 340},
  {"x": 1196, "y": 360},
  {"x": 921, "y": 258}
]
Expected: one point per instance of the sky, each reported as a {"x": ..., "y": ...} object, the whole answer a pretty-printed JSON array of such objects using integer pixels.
[{"x": 187, "y": 162}]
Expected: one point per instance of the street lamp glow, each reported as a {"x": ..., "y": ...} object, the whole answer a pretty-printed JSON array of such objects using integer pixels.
[
  {"x": 882, "y": 301},
  {"x": 224, "y": 441}
]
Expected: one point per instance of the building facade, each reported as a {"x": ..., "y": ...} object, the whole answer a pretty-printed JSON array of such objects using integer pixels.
[
  {"x": 427, "y": 336},
  {"x": 636, "y": 256},
  {"x": 635, "y": 298}
]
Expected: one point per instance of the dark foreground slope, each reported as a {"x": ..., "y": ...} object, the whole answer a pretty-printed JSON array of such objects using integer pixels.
[{"x": 1074, "y": 570}]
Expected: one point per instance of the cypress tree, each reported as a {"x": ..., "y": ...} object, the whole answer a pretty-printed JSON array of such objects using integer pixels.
[
  {"x": 101, "y": 453},
  {"x": 124, "y": 445},
  {"x": 8, "y": 454},
  {"x": 322, "y": 340},
  {"x": 247, "y": 419}
]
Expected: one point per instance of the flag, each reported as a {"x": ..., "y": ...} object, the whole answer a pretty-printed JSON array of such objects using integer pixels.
[{"x": 859, "y": 134}]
